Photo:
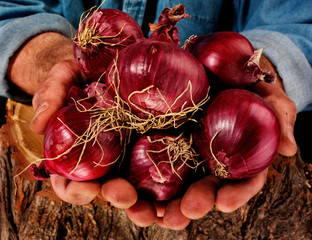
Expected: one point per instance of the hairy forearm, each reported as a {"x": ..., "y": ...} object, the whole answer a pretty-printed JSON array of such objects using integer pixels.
[{"x": 29, "y": 66}]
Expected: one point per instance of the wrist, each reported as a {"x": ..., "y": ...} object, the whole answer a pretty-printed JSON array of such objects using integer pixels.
[{"x": 30, "y": 65}]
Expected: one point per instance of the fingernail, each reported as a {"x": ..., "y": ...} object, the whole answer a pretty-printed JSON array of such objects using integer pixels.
[{"x": 44, "y": 106}]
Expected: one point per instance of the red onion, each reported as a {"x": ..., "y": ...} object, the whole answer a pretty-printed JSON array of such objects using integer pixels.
[
  {"x": 78, "y": 145},
  {"x": 100, "y": 35},
  {"x": 94, "y": 93},
  {"x": 157, "y": 77},
  {"x": 230, "y": 57},
  {"x": 160, "y": 165},
  {"x": 239, "y": 134}
]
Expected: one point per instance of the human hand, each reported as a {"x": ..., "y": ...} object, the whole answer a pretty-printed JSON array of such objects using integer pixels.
[
  {"x": 210, "y": 191},
  {"x": 45, "y": 68},
  {"x": 47, "y": 100},
  {"x": 274, "y": 94},
  {"x": 199, "y": 199}
]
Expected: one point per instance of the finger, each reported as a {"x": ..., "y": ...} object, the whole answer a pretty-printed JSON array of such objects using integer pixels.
[
  {"x": 142, "y": 213},
  {"x": 173, "y": 217},
  {"x": 51, "y": 95},
  {"x": 79, "y": 193},
  {"x": 286, "y": 113},
  {"x": 199, "y": 199},
  {"x": 287, "y": 118},
  {"x": 119, "y": 192},
  {"x": 160, "y": 208},
  {"x": 160, "y": 222},
  {"x": 232, "y": 195}
]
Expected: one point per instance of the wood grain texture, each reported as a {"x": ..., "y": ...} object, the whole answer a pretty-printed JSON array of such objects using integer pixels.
[{"x": 30, "y": 210}]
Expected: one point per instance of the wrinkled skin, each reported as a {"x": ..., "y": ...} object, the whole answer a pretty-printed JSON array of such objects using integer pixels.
[{"x": 46, "y": 71}]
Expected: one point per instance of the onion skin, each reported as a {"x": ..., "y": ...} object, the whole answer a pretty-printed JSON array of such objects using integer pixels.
[
  {"x": 59, "y": 138},
  {"x": 155, "y": 76},
  {"x": 143, "y": 174},
  {"x": 94, "y": 93},
  {"x": 166, "y": 70},
  {"x": 243, "y": 131},
  {"x": 230, "y": 57},
  {"x": 114, "y": 31},
  {"x": 165, "y": 29}
]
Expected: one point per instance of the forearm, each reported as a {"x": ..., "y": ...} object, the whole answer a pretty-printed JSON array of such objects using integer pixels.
[{"x": 29, "y": 67}]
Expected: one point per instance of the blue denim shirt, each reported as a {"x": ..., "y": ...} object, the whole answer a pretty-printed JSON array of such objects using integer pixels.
[{"x": 281, "y": 27}]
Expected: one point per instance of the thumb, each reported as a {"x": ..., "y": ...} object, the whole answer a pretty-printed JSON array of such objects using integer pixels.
[
  {"x": 51, "y": 95},
  {"x": 288, "y": 146},
  {"x": 286, "y": 112}
]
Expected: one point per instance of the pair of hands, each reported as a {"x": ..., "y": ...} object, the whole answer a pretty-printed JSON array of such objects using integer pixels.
[{"x": 49, "y": 96}]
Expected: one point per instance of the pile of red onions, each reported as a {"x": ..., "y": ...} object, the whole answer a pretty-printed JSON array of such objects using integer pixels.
[
  {"x": 153, "y": 84},
  {"x": 238, "y": 135},
  {"x": 101, "y": 34},
  {"x": 229, "y": 57},
  {"x": 160, "y": 165}
]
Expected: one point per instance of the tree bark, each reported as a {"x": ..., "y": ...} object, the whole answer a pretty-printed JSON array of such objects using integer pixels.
[{"x": 30, "y": 210}]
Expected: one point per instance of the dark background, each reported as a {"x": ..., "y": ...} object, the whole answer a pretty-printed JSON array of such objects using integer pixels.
[
  {"x": 2, "y": 110},
  {"x": 303, "y": 134}
]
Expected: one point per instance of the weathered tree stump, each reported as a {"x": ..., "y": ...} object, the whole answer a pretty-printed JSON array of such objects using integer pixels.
[{"x": 30, "y": 210}]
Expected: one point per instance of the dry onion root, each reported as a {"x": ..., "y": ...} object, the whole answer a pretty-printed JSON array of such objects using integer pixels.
[
  {"x": 161, "y": 166},
  {"x": 102, "y": 33},
  {"x": 174, "y": 117},
  {"x": 83, "y": 141}
]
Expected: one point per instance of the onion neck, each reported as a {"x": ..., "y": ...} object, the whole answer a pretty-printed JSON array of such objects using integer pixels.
[
  {"x": 253, "y": 67},
  {"x": 40, "y": 172},
  {"x": 165, "y": 29}
]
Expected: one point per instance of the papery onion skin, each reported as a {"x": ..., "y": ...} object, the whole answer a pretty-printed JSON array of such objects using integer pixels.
[
  {"x": 142, "y": 173},
  {"x": 165, "y": 29},
  {"x": 61, "y": 135},
  {"x": 169, "y": 77},
  {"x": 244, "y": 133},
  {"x": 94, "y": 93},
  {"x": 116, "y": 29},
  {"x": 164, "y": 68},
  {"x": 230, "y": 57}
]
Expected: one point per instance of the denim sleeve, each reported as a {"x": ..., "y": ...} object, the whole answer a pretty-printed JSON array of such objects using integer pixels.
[
  {"x": 291, "y": 64},
  {"x": 284, "y": 31},
  {"x": 14, "y": 34},
  {"x": 22, "y": 20}
]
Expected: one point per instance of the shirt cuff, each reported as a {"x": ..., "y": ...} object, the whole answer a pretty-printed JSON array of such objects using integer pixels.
[
  {"x": 14, "y": 34},
  {"x": 290, "y": 62}
]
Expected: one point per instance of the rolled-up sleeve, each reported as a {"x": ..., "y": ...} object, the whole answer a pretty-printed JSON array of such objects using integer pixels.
[
  {"x": 19, "y": 22},
  {"x": 291, "y": 64},
  {"x": 284, "y": 30},
  {"x": 15, "y": 33}
]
